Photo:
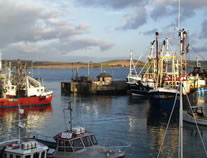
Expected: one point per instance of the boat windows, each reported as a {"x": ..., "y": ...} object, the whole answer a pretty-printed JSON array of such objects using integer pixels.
[
  {"x": 36, "y": 155},
  {"x": 18, "y": 156},
  {"x": 77, "y": 144},
  {"x": 93, "y": 139},
  {"x": 86, "y": 141},
  {"x": 68, "y": 147},
  {"x": 61, "y": 145},
  {"x": 11, "y": 156},
  {"x": 28, "y": 156},
  {"x": 43, "y": 154}
]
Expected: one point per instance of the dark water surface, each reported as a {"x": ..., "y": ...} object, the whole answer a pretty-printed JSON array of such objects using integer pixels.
[{"x": 114, "y": 119}]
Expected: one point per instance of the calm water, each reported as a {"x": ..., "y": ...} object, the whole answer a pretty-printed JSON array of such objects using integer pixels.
[{"x": 114, "y": 119}]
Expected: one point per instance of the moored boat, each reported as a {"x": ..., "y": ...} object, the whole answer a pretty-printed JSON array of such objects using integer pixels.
[
  {"x": 169, "y": 76},
  {"x": 140, "y": 83},
  {"x": 195, "y": 115},
  {"x": 18, "y": 88},
  {"x": 77, "y": 142},
  {"x": 22, "y": 147}
]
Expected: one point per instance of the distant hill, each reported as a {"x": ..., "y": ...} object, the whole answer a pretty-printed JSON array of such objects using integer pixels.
[
  {"x": 105, "y": 64},
  {"x": 69, "y": 65}
]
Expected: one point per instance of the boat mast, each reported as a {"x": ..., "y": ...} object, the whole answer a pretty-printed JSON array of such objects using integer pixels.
[
  {"x": 0, "y": 62},
  {"x": 157, "y": 52},
  {"x": 157, "y": 58},
  {"x": 130, "y": 64},
  {"x": 178, "y": 14},
  {"x": 20, "y": 123},
  {"x": 70, "y": 109},
  {"x": 181, "y": 34},
  {"x": 180, "y": 150}
]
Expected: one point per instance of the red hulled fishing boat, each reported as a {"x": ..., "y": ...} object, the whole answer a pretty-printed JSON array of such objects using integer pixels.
[{"x": 18, "y": 88}]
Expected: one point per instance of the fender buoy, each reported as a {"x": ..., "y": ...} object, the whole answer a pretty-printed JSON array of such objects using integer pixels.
[
  {"x": 184, "y": 77},
  {"x": 4, "y": 90}
]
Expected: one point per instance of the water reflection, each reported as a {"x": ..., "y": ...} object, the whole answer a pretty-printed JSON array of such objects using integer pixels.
[
  {"x": 156, "y": 127},
  {"x": 34, "y": 119}
]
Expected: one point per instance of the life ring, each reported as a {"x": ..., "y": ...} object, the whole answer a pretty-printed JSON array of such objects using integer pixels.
[
  {"x": 167, "y": 78},
  {"x": 5, "y": 90},
  {"x": 184, "y": 77}
]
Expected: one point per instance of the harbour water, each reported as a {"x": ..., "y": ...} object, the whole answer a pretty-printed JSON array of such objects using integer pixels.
[{"x": 114, "y": 119}]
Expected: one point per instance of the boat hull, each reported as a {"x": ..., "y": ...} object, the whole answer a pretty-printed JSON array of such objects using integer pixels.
[
  {"x": 201, "y": 90},
  {"x": 164, "y": 99},
  {"x": 139, "y": 89},
  {"x": 190, "y": 119},
  {"x": 25, "y": 102}
]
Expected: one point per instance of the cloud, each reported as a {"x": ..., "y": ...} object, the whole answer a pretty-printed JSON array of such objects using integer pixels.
[
  {"x": 56, "y": 51},
  {"x": 114, "y": 4},
  {"x": 33, "y": 29},
  {"x": 203, "y": 33},
  {"x": 194, "y": 4},
  {"x": 165, "y": 8},
  {"x": 150, "y": 32},
  {"x": 134, "y": 21},
  {"x": 202, "y": 48},
  {"x": 161, "y": 11},
  {"x": 82, "y": 44}
]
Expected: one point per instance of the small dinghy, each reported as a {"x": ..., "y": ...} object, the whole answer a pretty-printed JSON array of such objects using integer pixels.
[{"x": 196, "y": 115}]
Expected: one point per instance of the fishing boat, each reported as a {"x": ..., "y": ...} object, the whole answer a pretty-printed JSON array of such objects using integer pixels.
[
  {"x": 18, "y": 88},
  {"x": 132, "y": 78},
  {"x": 22, "y": 148},
  {"x": 199, "y": 78},
  {"x": 169, "y": 76},
  {"x": 180, "y": 89},
  {"x": 25, "y": 148},
  {"x": 77, "y": 142},
  {"x": 140, "y": 83}
]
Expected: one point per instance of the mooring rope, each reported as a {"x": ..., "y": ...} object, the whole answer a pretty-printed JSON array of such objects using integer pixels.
[{"x": 168, "y": 124}]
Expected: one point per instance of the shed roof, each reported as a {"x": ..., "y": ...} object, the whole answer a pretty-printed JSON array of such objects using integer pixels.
[{"x": 104, "y": 74}]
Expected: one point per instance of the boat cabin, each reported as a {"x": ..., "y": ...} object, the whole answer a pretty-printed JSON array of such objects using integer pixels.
[
  {"x": 198, "y": 110},
  {"x": 76, "y": 140},
  {"x": 26, "y": 149}
]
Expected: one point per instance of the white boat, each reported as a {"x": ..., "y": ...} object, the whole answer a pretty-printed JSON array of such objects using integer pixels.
[
  {"x": 18, "y": 88},
  {"x": 22, "y": 148},
  {"x": 195, "y": 115},
  {"x": 140, "y": 83},
  {"x": 78, "y": 143}
]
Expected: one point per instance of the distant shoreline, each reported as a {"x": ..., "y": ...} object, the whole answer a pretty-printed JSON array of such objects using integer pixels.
[
  {"x": 79, "y": 67},
  {"x": 118, "y": 64}
]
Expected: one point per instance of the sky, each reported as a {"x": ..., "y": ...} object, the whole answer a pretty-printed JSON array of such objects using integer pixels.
[{"x": 96, "y": 30}]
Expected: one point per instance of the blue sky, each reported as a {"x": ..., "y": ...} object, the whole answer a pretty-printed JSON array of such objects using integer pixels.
[{"x": 95, "y": 30}]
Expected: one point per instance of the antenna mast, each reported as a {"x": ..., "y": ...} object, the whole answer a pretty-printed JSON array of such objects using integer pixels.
[
  {"x": 71, "y": 119},
  {"x": 179, "y": 14}
]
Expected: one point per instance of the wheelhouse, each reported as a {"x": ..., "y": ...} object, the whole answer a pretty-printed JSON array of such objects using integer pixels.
[
  {"x": 72, "y": 142},
  {"x": 31, "y": 149}
]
